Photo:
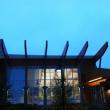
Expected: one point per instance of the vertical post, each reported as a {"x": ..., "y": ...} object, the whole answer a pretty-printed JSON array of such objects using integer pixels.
[
  {"x": 92, "y": 94},
  {"x": 63, "y": 74},
  {"x": 63, "y": 88},
  {"x": 81, "y": 86},
  {"x": 45, "y": 87},
  {"x": 95, "y": 99},
  {"x": 79, "y": 62},
  {"x": 101, "y": 95},
  {"x": 4, "y": 88},
  {"x": 100, "y": 62},
  {"x": 81, "y": 93},
  {"x": 97, "y": 92},
  {"x": 25, "y": 88}
]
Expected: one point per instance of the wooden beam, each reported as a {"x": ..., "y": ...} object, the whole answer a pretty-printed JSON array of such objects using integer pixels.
[
  {"x": 83, "y": 51},
  {"x": 101, "y": 52},
  {"x": 26, "y": 72},
  {"x": 46, "y": 48},
  {"x": 3, "y": 50},
  {"x": 45, "y": 87},
  {"x": 80, "y": 59},
  {"x": 4, "y": 54},
  {"x": 65, "y": 50},
  {"x": 64, "y": 53}
]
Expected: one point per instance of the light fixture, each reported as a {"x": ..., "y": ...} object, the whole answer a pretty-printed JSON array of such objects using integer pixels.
[
  {"x": 95, "y": 79},
  {"x": 97, "y": 82},
  {"x": 108, "y": 91}
]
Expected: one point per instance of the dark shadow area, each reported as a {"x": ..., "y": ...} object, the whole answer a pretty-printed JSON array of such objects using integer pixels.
[{"x": 53, "y": 107}]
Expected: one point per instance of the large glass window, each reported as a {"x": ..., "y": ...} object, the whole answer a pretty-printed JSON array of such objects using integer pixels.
[
  {"x": 53, "y": 83},
  {"x": 71, "y": 76},
  {"x": 35, "y": 91},
  {"x": 15, "y": 84}
]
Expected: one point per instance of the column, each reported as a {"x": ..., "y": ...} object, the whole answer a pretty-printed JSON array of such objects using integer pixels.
[{"x": 45, "y": 88}]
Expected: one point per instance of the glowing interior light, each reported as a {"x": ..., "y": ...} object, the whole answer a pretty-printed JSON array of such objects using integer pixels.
[
  {"x": 95, "y": 83},
  {"x": 108, "y": 92},
  {"x": 96, "y": 79}
]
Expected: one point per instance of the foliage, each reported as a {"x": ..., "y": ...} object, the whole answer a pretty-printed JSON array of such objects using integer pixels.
[{"x": 57, "y": 91}]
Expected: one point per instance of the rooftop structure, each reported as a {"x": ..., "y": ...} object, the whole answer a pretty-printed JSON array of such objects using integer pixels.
[{"x": 37, "y": 82}]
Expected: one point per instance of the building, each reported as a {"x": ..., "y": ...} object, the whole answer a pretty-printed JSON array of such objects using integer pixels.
[{"x": 33, "y": 79}]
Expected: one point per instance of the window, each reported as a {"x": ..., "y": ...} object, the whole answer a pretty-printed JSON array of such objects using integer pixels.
[
  {"x": 53, "y": 76},
  {"x": 35, "y": 81},
  {"x": 15, "y": 84}
]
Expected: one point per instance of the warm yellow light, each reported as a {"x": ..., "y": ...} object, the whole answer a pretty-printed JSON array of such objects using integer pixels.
[
  {"x": 95, "y": 83},
  {"x": 108, "y": 92},
  {"x": 95, "y": 79}
]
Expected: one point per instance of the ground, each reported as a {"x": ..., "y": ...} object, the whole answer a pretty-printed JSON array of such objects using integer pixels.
[{"x": 67, "y": 107}]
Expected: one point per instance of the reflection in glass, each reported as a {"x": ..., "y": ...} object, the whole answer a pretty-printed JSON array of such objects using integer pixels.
[
  {"x": 36, "y": 83},
  {"x": 15, "y": 84}
]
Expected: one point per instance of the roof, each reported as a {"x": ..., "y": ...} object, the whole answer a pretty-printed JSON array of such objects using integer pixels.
[{"x": 50, "y": 59}]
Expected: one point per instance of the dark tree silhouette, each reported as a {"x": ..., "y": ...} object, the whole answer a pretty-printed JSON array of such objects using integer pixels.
[{"x": 57, "y": 93}]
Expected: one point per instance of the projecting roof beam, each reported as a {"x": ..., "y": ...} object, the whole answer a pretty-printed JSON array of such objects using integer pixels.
[
  {"x": 83, "y": 51},
  {"x": 62, "y": 63},
  {"x": 46, "y": 48},
  {"x": 3, "y": 51},
  {"x": 25, "y": 49},
  {"x": 26, "y": 73},
  {"x": 65, "y": 50},
  {"x": 45, "y": 86},
  {"x": 64, "y": 53},
  {"x": 45, "y": 53},
  {"x": 101, "y": 52}
]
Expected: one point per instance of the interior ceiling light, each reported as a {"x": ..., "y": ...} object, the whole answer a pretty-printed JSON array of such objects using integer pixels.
[
  {"x": 95, "y": 79},
  {"x": 97, "y": 82}
]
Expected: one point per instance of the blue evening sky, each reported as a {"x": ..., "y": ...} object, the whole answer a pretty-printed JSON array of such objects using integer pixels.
[{"x": 57, "y": 21}]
